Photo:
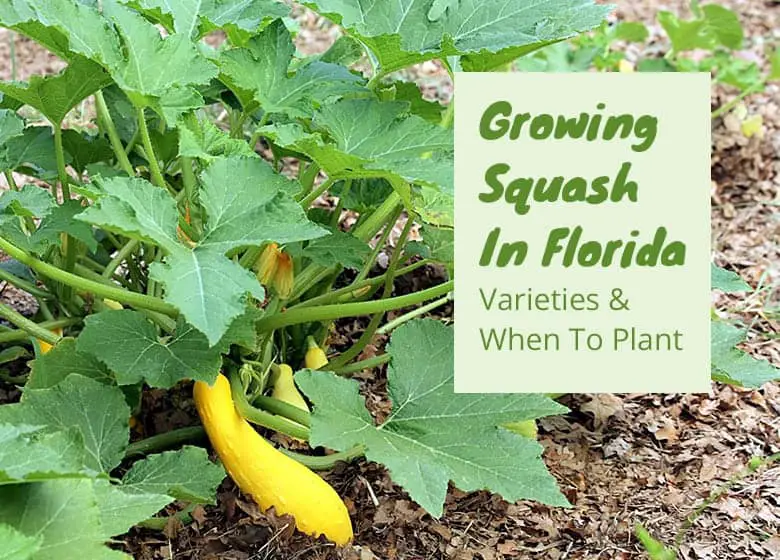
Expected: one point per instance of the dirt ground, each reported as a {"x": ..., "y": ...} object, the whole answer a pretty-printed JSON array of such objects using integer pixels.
[{"x": 620, "y": 459}]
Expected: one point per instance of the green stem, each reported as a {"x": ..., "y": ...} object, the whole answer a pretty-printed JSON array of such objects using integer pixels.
[
  {"x": 261, "y": 417},
  {"x": 307, "y": 179},
  {"x": 20, "y": 335},
  {"x": 188, "y": 177},
  {"x": 338, "y": 311},
  {"x": 12, "y": 53},
  {"x": 250, "y": 256},
  {"x": 723, "y": 109},
  {"x": 146, "y": 142},
  {"x": 325, "y": 462},
  {"x": 113, "y": 135},
  {"x": 9, "y": 177},
  {"x": 380, "y": 244},
  {"x": 101, "y": 290},
  {"x": 336, "y": 218},
  {"x": 120, "y": 257},
  {"x": 62, "y": 173},
  {"x": 368, "y": 334},
  {"x": 31, "y": 327},
  {"x": 716, "y": 494},
  {"x": 368, "y": 363},
  {"x": 192, "y": 434},
  {"x": 449, "y": 114},
  {"x": 315, "y": 194},
  {"x": 22, "y": 284},
  {"x": 161, "y": 442},
  {"x": 366, "y": 230},
  {"x": 282, "y": 408},
  {"x": 413, "y": 314}
]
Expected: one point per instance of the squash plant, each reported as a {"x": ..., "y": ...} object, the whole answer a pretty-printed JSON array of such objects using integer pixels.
[{"x": 162, "y": 249}]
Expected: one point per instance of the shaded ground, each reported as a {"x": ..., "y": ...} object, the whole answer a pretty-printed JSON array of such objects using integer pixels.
[{"x": 620, "y": 459}]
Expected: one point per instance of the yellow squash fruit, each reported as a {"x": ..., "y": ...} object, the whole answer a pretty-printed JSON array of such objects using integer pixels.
[
  {"x": 526, "y": 428},
  {"x": 271, "y": 478},
  {"x": 111, "y": 304},
  {"x": 285, "y": 389},
  {"x": 45, "y": 346},
  {"x": 315, "y": 356}
]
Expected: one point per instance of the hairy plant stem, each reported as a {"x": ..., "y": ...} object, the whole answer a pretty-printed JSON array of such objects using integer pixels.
[
  {"x": 336, "y": 218},
  {"x": 261, "y": 417},
  {"x": 167, "y": 440},
  {"x": 22, "y": 284},
  {"x": 97, "y": 288},
  {"x": 9, "y": 177},
  {"x": 368, "y": 334},
  {"x": 307, "y": 178},
  {"x": 193, "y": 434},
  {"x": 250, "y": 256},
  {"x": 146, "y": 142},
  {"x": 31, "y": 327},
  {"x": 62, "y": 173},
  {"x": 717, "y": 493},
  {"x": 325, "y": 462},
  {"x": 113, "y": 136},
  {"x": 413, "y": 314},
  {"x": 368, "y": 363},
  {"x": 68, "y": 242},
  {"x": 723, "y": 109},
  {"x": 338, "y": 311},
  {"x": 380, "y": 244},
  {"x": 188, "y": 177},
  {"x": 315, "y": 194},
  {"x": 21, "y": 335},
  {"x": 282, "y": 408},
  {"x": 126, "y": 250},
  {"x": 314, "y": 273}
]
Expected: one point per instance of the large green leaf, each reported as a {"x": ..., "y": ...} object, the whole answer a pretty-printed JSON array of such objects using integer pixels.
[
  {"x": 202, "y": 139},
  {"x": 120, "y": 509},
  {"x": 31, "y": 153},
  {"x": 136, "y": 208},
  {"x": 423, "y": 442},
  {"x": 102, "y": 425},
  {"x": 155, "y": 67},
  {"x": 53, "y": 367},
  {"x": 10, "y": 125},
  {"x": 64, "y": 27},
  {"x": 29, "y": 453},
  {"x": 338, "y": 248},
  {"x": 733, "y": 366},
  {"x": 85, "y": 149},
  {"x": 410, "y": 31},
  {"x": 374, "y": 139},
  {"x": 17, "y": 545},
  {"x": 186, "y": 474},
  {"x": 262, "y": 70},
  {"x": 30, "y": 201},
  {"x": 63, "y": 516},
  {"x": 727, "y": 281},
  {"x": 128, "y": 344},
  {"x": 54, "y": 96},
  {"x": 249, "y": 204},
  {"x": 194, "y": 17},
  {"x": 208, "y": 288}
]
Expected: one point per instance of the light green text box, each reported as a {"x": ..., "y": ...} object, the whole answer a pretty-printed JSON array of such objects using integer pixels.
[{"x": 661, "y": 342}]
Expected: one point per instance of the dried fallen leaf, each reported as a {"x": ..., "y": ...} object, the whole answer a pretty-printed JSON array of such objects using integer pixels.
[{"x": 602, "y": 406}]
